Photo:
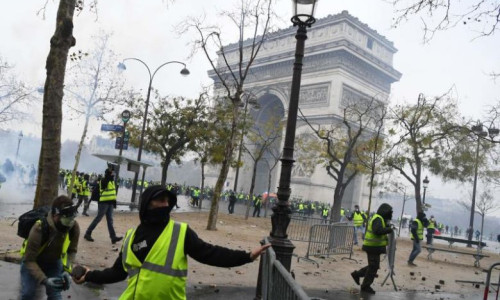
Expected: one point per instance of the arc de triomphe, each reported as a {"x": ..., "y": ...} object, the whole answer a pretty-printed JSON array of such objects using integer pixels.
[{"x": 345, "y": 60}]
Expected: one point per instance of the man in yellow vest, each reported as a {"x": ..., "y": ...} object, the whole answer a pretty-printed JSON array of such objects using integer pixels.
[
  {"x": 84, "y": 193},
  {"x": 49, "y": 251},
  {"x": 417, "y": 235},
  {"x": 358, "y": 220},
  {"x": 154, "y": 255},
  {"x": 431, "y": 230},
  {"x": 105, "y": 207},
  {"x": 374, "y": 244}
]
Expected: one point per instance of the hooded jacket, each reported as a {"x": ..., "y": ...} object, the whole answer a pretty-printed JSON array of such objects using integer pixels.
[
  {"x": 385, "y": 211},
  {"x": 147, "y": 233}
]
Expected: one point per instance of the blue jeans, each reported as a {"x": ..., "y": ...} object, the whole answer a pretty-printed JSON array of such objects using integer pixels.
[
  {"x": 103, "y": 208},
  {"x": 29, "y": 284},
  {"x": 360, "y": 228},
  {"x": 416, "y": 250}
]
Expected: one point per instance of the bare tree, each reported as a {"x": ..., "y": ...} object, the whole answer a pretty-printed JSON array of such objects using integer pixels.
[
  {"x": 423, "y": 133},
  {"x": 231, "y": 67},
  {"x": 486, "y": 204},
  {"x": 482, "y": 16},
  {"x": 94, "y": 87},
  {"x": 340, "y": 143},
  {"x": 261, "y": 138},
  {"x": 14, "y": 94}
]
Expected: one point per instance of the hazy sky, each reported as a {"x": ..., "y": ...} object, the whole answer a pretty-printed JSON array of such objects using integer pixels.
[{"x": 144, "y": 29}]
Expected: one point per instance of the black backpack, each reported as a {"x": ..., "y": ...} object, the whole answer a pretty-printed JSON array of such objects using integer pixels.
[{"x": 28, "y": 219}]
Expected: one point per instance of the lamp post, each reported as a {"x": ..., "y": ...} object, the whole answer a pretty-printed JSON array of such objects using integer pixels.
[
  {"x": 255, "y": 105},
  {"x": 403, "y": 209},
  {"x": 122, "y": 66},
  {"x": 19, "y": 138},
  {"x": 303, "y": 18},
  {"x": 425, "y": 185},
  {"x": 125, "y": 119},
  {"x": 479, "y": 131}
]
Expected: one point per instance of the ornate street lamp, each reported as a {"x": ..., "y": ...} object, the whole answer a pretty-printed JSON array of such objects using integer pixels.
[
  {"x": 303, "y": 18},
  {"x": 19, "y": 138},
  {"x": 425, "y": 185},
  {"x": 121, "y": 66},
  {"x": 479, "y": 131}
]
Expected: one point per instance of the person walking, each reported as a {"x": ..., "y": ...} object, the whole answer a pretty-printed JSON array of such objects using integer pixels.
[
  {"x": 152, "y": 259},
  {"x": 417, "y": 235},
  {"x": 105, "y": 207},
  {"x": 431, "y": 229},
  {"x": 232, "y": 201},
  {"x": 374, "y": 244},
  {"x": 257, "y": 204},
  {"x": 49, "y": 251},
  {"x": 358, "y": 219},
  {"x": 83, "y": 195}
]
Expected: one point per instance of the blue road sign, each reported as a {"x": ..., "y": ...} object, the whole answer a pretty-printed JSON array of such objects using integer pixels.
[
  {"x": 118, "y": 143},
  {"x": 111, "y": 127}
]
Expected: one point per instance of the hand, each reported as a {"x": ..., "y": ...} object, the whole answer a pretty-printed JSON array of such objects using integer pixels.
[
  {"x": 55, "y": 283},
  {"x": 79, "y": 273},
  {"x": 67, "y": 280},
  {"x": 258, "y": 251}
]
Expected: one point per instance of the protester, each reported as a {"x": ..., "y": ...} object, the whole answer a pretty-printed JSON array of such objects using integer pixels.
[
  {"x": 152, "y": 251},
  {"x": 49, "y": 251},
  {"x": 359, "y": 220},
  {"x": 417, "y": 235},
  {"x": 374, "y": 244},
  {"x": 232, "y": 201}
]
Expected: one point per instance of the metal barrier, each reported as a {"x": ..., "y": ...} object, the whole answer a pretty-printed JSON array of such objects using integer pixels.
[
  {"x": 391, "y": 256},
  {"x": 488, "y": 280},
  {"x": 300, "y": 227},
  {"x": 326, "y": 240},
  {"x": 276, "y": 281}
]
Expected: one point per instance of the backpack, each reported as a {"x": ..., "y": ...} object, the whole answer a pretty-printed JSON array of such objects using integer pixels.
[{"x": 28, "y": 219}]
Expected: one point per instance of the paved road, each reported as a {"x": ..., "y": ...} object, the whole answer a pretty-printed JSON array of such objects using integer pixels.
[{"x": 9, "y": 289}]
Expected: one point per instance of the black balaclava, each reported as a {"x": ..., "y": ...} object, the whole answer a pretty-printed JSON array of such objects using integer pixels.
[
  {"x": 157, "y": 216},
  {"x": 385, "y": 210}
]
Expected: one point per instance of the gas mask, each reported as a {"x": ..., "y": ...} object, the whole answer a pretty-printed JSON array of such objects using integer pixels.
[
  {"x": 67, "y": 217},
  {"x": 67, "y": 221}
]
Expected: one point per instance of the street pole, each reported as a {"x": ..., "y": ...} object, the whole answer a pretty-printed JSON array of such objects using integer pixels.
[
  {"x": 20, "y": 137},
  {"x": 125, "y": 119},
  {"x": 122, "y": 66},
  {"x": 402, "y": 211},
  {"x": 473, "y": 206}
]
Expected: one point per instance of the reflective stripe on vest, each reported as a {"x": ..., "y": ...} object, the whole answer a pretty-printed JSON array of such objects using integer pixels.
[
  {"x": 109, "y": 194},
  {"x": 358, "y": 219},
  {"x": 431, "y": 225},
  {"x": 420, "y": 230},
  {"x": 64, "y": 254},
  {"x": 85, "y": 188},
  {"x": 163, "y": 274},
  {"x": 372, "y": 239}
]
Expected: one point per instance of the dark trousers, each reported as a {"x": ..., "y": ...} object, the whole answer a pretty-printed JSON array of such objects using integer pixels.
[
  {"x": 103, "y": 209},
  {"x": 430, "y": 234},
  {"x": 86, "y": 203},
  {"x": 29, "y": 285},
  {"x": 230, "y": 208},
  {"x": 256, "y": 211},
  {"x": 369, "y": 272}
]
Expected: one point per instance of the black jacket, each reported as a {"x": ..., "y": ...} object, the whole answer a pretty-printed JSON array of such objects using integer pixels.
[{"x": 385, "y": 211}]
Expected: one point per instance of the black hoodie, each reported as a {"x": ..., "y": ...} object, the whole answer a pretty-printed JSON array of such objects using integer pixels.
[
  {"x": 146, "y": 234},
  {"x": 385, "y": 211}
]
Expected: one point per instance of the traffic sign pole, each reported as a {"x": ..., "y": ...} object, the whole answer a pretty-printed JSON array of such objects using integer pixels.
[{"x": 125, "y": 119}]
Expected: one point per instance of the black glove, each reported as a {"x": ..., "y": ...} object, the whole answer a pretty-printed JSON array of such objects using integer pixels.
[
  {"x": 67, "y": 280},
  {"x": 55, "y": 283}
]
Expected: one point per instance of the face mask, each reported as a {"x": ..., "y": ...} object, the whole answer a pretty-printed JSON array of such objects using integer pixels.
[
  {"x": 67, "y": 221},
  {"x": 159, "y": 215}
]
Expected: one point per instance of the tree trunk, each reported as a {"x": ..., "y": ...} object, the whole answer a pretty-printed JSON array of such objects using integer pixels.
[
  {"x": 202, "y": 182},
  {"x": 228, "y": 154},
  {"x": 337, "y": 203},
  {"x": 252, "y": 186},
  {"x": 164, "y": 169},
  {"x": 78, "y": 154},
  {"x": 49, "y": 161}
]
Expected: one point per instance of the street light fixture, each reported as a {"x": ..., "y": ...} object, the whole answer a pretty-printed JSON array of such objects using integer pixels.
[
  {"x": 303, "y": 18},
  {"x": 122, "y": 66},
  {"x": 479, "y": 131},
  {"x": 425, "y": 185}
]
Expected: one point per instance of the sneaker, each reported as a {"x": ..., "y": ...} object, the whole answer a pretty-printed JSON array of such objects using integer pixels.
[
  {"x": 85, "y": 214},
  {"x": 368, "y": 290},
  {"x": 116, "y": 239},
  {"x": 88, "y": 238},
  {"x": 411, "y": 264},
  {"x": 355, "y": 276}
]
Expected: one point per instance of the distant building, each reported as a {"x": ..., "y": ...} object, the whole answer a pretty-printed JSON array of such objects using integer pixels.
[{"x": 345, "y": 60}]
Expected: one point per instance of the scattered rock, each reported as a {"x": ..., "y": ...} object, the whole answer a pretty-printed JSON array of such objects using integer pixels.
[
  {"x": 216, "y": 290},
  {"x": 238, "y": 272},
  {"x": 437, "y": 287},
  {"x": 307, "y": 273},
  {"x": 213, "y": 286},
  {"x": 199, "y": 282},
  {"x": 194, "y": 271},
  {"x": 476, "y": 286},
  {"x": 423, "y": 278},
  {"x": 441, "y": 282},
  {"x": 412, "y": 273}
]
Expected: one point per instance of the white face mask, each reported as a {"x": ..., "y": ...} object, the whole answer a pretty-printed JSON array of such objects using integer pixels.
[{"x": 67, "y": 221}]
